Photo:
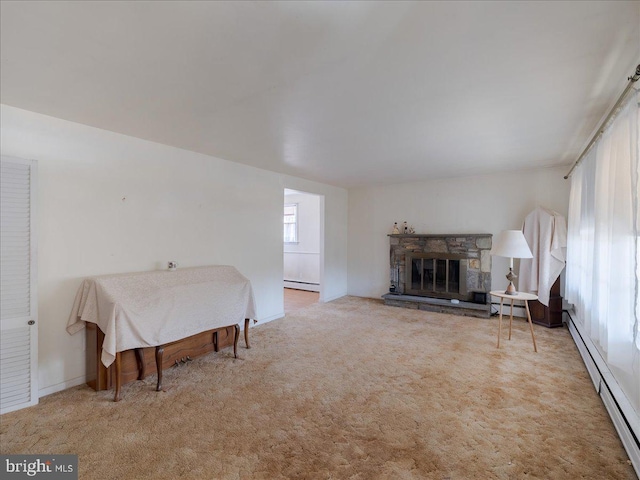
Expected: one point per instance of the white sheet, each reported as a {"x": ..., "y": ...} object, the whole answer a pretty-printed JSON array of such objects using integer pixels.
[
  {"x": 154, "y": 308},
  {"x": 546, "y": 234}
]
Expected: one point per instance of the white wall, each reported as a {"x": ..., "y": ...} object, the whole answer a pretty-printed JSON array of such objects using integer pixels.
[
  {"x": 302, "y": 259},
  {"x": 109, "y": 203},
  {"x": 479, "y": 204}
]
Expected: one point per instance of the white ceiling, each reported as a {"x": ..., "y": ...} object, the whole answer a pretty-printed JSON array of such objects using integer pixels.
[{"x": 346, "y": 93}]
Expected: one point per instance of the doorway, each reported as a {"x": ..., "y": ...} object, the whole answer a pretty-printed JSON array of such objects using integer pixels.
[
  {"x": 295, "y": 299},
  {"x": 302, "y": 249}
]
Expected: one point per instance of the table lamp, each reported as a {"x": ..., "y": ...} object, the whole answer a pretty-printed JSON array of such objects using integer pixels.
[{"x": 511, "y": 244}]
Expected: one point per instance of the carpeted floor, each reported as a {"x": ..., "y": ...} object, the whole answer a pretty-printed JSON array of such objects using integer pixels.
[{"x": 348, "y": 389}]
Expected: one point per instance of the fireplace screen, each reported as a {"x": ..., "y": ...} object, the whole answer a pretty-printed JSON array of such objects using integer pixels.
[{"x": 437, "y": 277}]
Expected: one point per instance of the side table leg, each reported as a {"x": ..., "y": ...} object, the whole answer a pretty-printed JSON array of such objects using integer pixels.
[
  {"x": 116, "y": 397},
  {"x": 235, "y": 340},
  {"x": 510, "y": 319},
  {"x": 159, "y": 354},
  {"x": 533, "y": 337},
  {"x": 140, "y": 360},
  {"x": 246, "y": 332},
  {"x": 500, "y": 322}
]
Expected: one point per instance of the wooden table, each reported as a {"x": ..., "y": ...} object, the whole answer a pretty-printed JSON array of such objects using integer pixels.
[
  {"x": 525, "y": 297},
  {"x": 159, "y": 308}
]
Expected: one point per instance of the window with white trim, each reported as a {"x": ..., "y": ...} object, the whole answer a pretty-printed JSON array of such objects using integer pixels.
[{"x": 291, "y": 223}]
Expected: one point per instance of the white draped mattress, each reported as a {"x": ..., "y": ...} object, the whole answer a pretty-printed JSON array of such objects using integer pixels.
[{"x": 147, "y": 309}]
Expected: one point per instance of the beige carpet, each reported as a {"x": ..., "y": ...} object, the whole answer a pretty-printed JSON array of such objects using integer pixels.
[{"x": 349, "y": 389}]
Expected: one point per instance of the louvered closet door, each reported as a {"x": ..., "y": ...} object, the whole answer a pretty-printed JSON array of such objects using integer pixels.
[{"x": 18, "y": 306}]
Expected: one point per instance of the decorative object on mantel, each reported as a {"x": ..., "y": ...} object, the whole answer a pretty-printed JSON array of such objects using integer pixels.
[
  {"x": 172, "y": 266},
  {"x": 511, "y": 244},
  {"x": 406, "y": 229}
]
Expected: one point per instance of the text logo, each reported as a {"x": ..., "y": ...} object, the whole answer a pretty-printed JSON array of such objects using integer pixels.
[{"x": 50, "y": 467}]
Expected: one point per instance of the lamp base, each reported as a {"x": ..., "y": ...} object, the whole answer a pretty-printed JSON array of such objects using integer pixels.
[{"x": 511, "y": 288}]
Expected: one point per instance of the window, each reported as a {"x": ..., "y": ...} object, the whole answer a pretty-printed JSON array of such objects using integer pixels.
[
  {"x": 603, "y": 272},
  {"x": 291, "y": 223}
]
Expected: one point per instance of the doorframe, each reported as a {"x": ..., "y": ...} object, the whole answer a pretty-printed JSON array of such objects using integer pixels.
[{"x": 321, "y": 233}]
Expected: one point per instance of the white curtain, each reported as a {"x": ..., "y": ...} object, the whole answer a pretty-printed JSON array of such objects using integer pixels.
[{"x": 603, "y": 247}]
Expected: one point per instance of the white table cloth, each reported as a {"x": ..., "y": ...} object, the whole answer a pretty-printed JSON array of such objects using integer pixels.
[{"x": 147, "y": 309}]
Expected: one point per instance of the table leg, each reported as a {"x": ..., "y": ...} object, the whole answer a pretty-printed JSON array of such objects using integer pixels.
[
  {"x": 500, "y": 322},
  {"x": 159, "y": 354},
  {"x": 140, "y": 361},
  {"x": 246, "y": 332},
  {"x": 116, "y": 397},
  {"x": 510, "y": 319},
  {"x": 235, "y": 340},
  {"x": 215, "y": 341},
  {"x": 533, "y": 337}
]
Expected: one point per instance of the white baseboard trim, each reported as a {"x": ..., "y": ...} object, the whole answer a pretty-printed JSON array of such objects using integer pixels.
[
  {"x": 310, "y": 287},
  {"x": 268, "y": 319},
  {"x": 624, "y": 432},
  {"x": 335, "y": 297},
  {"x": 74, "y": 382},
  {"x": 624, "y": 417}
]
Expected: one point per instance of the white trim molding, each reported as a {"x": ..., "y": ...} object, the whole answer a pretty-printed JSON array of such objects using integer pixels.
[{"x": 624, "y": 417}]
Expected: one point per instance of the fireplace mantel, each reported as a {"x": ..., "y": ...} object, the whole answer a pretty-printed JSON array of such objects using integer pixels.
[
  {"x": 439, "y": 235},
  {"x": 434, "y": 271}
]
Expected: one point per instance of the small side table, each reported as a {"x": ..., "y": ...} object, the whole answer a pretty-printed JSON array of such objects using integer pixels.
[{"x": 518, "y": 296}]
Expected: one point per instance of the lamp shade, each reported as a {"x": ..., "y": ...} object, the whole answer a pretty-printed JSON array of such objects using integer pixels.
[{"x": 511, "y": 244}]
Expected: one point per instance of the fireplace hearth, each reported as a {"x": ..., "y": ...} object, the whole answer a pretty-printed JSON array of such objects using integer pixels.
[{"x": 443, "y": 273}]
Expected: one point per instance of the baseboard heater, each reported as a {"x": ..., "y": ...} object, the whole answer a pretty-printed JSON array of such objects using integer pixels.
[
  {"x": 624, "y": 418},
  {"x": 299, "y": 285}
]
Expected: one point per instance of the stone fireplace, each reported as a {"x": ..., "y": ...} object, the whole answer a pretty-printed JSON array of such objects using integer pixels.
[{"x": 447, "y": 273}]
